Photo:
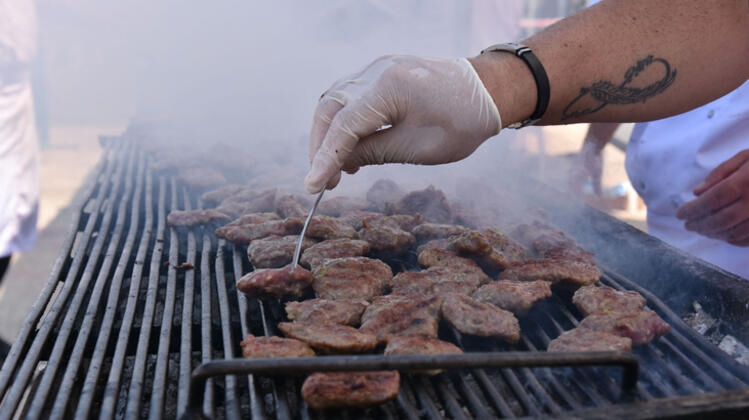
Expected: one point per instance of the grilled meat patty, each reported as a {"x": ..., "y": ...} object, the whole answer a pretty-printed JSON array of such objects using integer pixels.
[
  {"x": 326, "y": 227},
  {"x": 220, "y": 194},
  {"x": 356, "y": 218},
  {"x": 384, "y": 191},
  {"x": 431, "y": 203},
  {"x": 253, "y": 218},
  {"x": 334, "y": 248},
  {"x": 276, "y": 282},
  {"x": 416, "y": 344},
  {"x": 550, "y": 242},
  {"x": 249, "y": 201},
  {"x": 442, "y": 243},
  {"x": 338, "y": 206},
  {"x": 606, "y": 300},
  {"x": 290, "y": 206},
  {"x": 386, "y": 237},
  {"x": 585, "y": 339},
  {"x": 512, "y": 295},
  {"x": 351, "y": 278},
  {"x": 642, "y": 325},
  {"x": 470, "y": 316},
  {"x": 189, "y": 218},
  {"x": 274, "y": 251},
  {"x": 438, "y": 280},
  {"x": 571, "y": 272},
  {"x": 350, "y": 389},
  {"x": 429, "y": 231},
  {"x": 244, "y": 234},
  {"x": 274, "y": 347},
  {"x": 394, "y": 315},
  {"x": 490, "y": 249},
  {"x": 330, "y": 338},
  {"x": 436, "y": 257},
  {"x": 325, "y": 311}
]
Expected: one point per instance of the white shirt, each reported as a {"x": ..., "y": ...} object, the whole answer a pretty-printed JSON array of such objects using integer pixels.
[
  {"x": 667, "y": 159},
  {"x": 19, "y": 153}
]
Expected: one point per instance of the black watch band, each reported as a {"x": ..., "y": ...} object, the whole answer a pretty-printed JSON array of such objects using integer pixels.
[{"x": 539, "y": 75}]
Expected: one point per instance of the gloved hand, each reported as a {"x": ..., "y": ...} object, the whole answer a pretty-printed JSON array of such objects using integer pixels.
[{"x": 400, "y": 109}]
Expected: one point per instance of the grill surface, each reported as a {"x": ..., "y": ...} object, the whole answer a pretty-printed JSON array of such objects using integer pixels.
[{"x": 119, "y": 328}]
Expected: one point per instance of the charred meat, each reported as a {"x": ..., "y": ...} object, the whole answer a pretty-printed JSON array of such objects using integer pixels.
[
  {"x": 584, "y": 339},
  {"x": 571, "y": 272},
  {"x": 606, "y": 300},
  {"x": 274, "y": 251},
  {"x": 429, "y": 231},
  {"x": 350, "y": 389},
  {"x": 351, "y": 278},
  {"x": 326, "y": 227},
  {"x": 330, "y": 338},
  {"x": 437, "y": 281},
  {"x": 334, "y": 248},
  {"x": 384, "y": 237},
  {"x": 255, "y": 347},
  {"x": 490, "y": 249},
  {"x": 642, "y": 326},
  {"x": 431, "y": 203},
  {"x": 325, "y": 311},
  {"x": 512, "y": 295},
  {"x": 395, "y": 315},
  {"x": 244, "y": 234},
  {"x": 443, "y": 243},
  {"x": 276, "y": 282},
  {"x": 415, "y": 344},
  {"x": 470, "y": 316},
  {"x": 189, "y": 218},
  {"x": 356, "y": 218}
]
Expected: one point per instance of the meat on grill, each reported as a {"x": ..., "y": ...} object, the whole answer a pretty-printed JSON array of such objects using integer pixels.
[
  {"x": 395, "y": 315},
  {"x": 571, "y": 272},
  {"x": 255, "y": 347},
  {"x": 384, "y": 191},
  {"x": 338, "y": 206},
  {"x": 429, "y": 231},
  {"x": 470, "y": 316},
  {"x": 330, "y": 338},
  {"x": 276, "y": 282},
  {"x": 642, "y": 325},
  {"x": 550, "y": 242},
  {"x": 334, "y": 248},
  {"x": 606, "y": 300},
  {"x": 220, "y": 194},
  {"x": 291, "y": 206},
  {"x": 253, "y": 218},
  {"x": 325, "y": 390},
  {"x": 585, "y": 339},
  {"x": 244, "y": 234},
  {"x": 515, "y": 296},
  {"x": 386, "y": 238},
  {"x": 248, "y": 201},
  {"x": 437, "y": 281},
  {"x": 325, "y": 311},
  {"x": 406, "y": 222},
  {"x": 274, "y": 251},
  {"x": 442, "y": 243},
  {"x": 415, "y": 344},
  {"x": 351, "y": 278},
  {"x": 356, "y": 218},
  {"x": 200, "y": 178},
  {"x": 430, "y": 203},
  {"x": 189, "y": 218},
  {"x": 491, "y": 249},
  {"x": 326, "y": 227},
  {"x": 436, "y": 257}
]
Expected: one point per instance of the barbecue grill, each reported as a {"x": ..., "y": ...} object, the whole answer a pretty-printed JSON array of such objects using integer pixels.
[{"x": 133, "y": 307}]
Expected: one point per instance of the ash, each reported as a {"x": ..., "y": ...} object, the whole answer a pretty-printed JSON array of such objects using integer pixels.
[{"x": 709, "y": 327}]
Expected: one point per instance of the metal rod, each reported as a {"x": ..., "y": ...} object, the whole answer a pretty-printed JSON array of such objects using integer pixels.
[
  {"x": 296, "y": 366},
  {"x": 298, "y": 249}
]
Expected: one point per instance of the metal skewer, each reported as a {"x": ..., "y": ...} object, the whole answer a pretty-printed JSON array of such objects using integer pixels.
[{"x": 298, "y": 250}]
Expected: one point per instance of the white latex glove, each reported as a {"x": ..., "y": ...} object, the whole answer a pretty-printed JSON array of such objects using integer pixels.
[{"x": 437, "y": 110}]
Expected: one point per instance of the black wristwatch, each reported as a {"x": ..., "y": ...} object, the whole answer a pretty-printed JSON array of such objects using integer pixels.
[{"x": 539, "y": 75}]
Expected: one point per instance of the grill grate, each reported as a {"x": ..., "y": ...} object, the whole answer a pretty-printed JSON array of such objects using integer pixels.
[{"x": 119, "y": 328}]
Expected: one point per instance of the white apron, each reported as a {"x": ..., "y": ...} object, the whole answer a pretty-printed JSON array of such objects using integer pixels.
[{"x": 667, "y": 159}]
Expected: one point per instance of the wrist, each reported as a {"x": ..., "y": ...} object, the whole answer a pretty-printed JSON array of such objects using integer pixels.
[{"x": 510, "y": 84}]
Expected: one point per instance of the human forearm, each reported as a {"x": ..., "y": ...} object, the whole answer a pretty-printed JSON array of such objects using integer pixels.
[{"x": 702, "y": 45}]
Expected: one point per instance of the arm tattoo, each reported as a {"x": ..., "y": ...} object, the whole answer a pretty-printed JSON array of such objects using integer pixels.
[{"x": 603, "y": 92}]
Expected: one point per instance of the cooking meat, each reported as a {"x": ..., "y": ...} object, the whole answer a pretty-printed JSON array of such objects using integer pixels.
[
  {"x": 428, "y": 231},
  {"x": 253, "y": 218},
  {"x": 200, "y": 178},
  {"x": 584, "y": 339},
  {"x": 249, "y": 201},
  {"x": 395, "y": 315},
  {"x": 606, "y": 300},
  {"x": 338, "y": 206},
  {"x": 406, "y": 222},
  {"x": 350, "y": 389},
  {"x": 356, "y": 218},
  {"x": 470, "y": 316},
  {"x": 436, "y": 281},
  {"x": 435, "y": 257},
  {"x": 351, "y": 278},
  {"x": 330, "y": 338},
  {"x": 244, "y": 234},
  {"x": 575, "y": 273},
  {"x": 491, "y": 249},
  {"x": 220, "y": 194},
  {"x": 550, "y": 242},
  {"x": 255, "y": 347},
  {"x": 189, "y": 218},
  {"x": 386, "y": 238},
  {"x": 274, "y": 251},
  {"x": 431, "y": 203},
  {"x": 276, "y": 282},
  {"x": 642, "y": 325},
  {"x": 325, "y": 311},
  {"x": 249, "y": 195},
  {"x": 291, "y": 206},
  {"x": 513, "y": 295},
  {"x": 384, "y": 191},
  {"x": 415, "y": 344},
  {"x": 326, "y": 227},
  {"x": 442, "y": 243},
  {"x": 334, "y": 248}
]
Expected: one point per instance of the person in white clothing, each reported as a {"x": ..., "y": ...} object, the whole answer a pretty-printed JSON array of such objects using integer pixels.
[
  {"x": 19, "y": 154},
  {"x": 692, "y": 172}
]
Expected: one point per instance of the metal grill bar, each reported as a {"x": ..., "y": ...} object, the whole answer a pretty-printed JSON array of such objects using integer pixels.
[{"x": 185, "y": 350}]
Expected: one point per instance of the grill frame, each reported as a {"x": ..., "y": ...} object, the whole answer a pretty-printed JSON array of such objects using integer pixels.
[{"x": 85, "y": 346}]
